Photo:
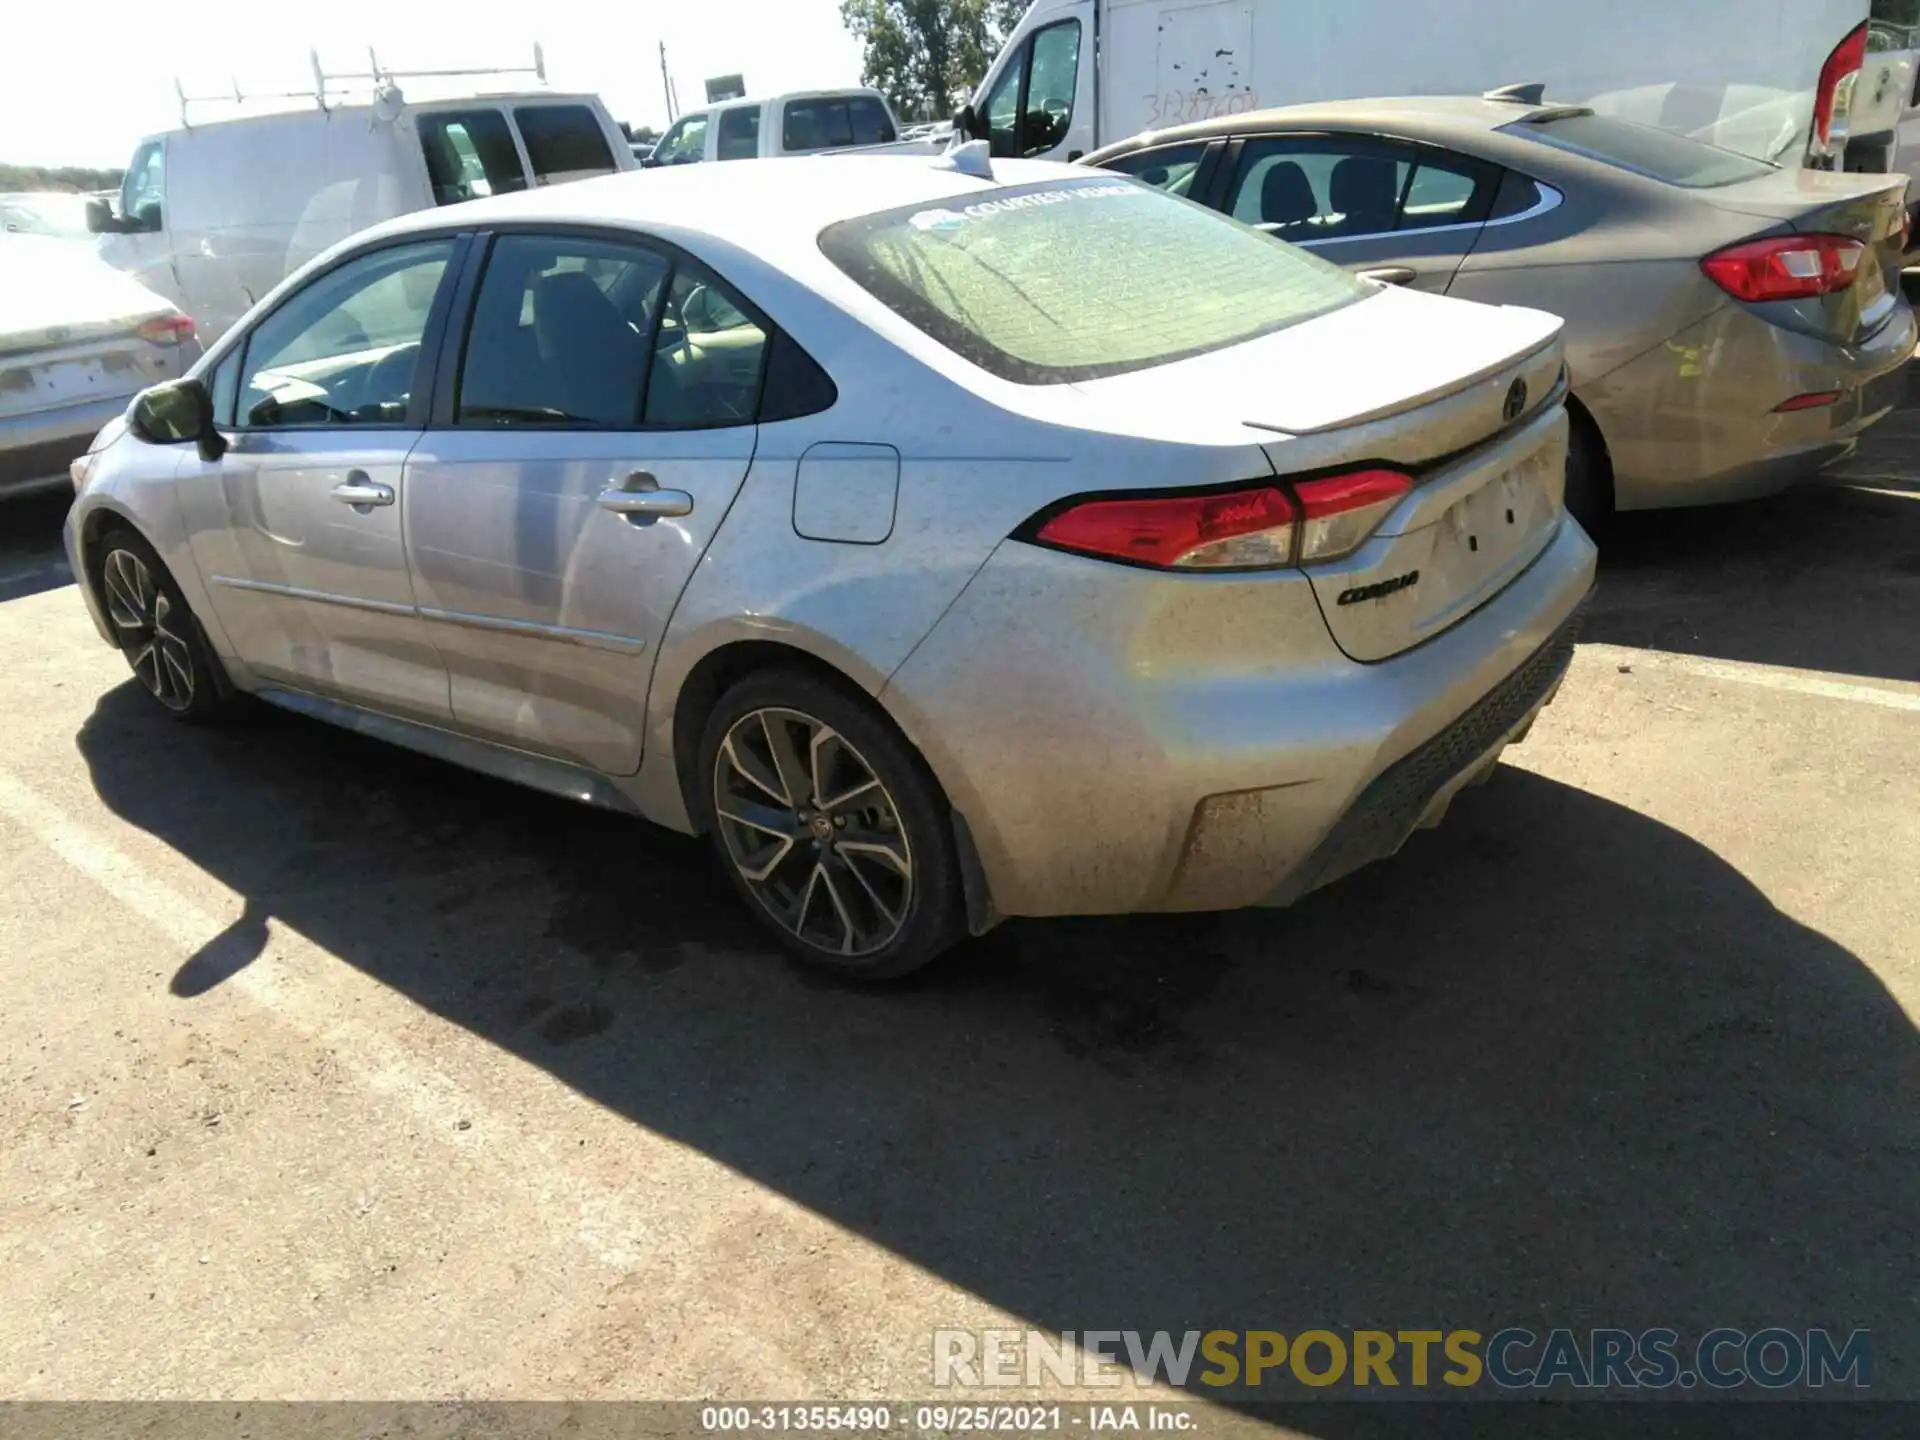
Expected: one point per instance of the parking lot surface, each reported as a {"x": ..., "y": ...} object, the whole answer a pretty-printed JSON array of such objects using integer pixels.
[{"x": 328, "y": 1071}]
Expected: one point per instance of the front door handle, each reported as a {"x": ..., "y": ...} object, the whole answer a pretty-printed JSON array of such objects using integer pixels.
[
  {"x": 1391, "y": 275},
  {"x": 362, "y": 492},
  {"x": 640, "y": 498}
]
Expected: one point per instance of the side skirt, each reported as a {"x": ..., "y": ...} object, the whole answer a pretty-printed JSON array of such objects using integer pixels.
[{"x": 536, "y": 772}]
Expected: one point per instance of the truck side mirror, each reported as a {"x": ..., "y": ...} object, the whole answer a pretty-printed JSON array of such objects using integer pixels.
[
  {"x": 967, "y": 123},
  {"x": 100, "y": 219}
]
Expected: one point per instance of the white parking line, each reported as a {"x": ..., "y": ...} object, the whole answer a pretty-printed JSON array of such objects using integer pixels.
[
  {"x": 1772, "y": 677},
  {"x": 596, "y": 1217}
]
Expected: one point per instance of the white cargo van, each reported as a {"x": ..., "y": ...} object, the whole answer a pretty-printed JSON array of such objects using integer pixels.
[
  {"x": 804, "y": 122},
  {"x": 216, "y": 213},
  {"x": 1770, "y": 78}
]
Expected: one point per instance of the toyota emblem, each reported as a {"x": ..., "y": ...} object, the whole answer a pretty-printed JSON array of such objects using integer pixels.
[{"x": 1516, "y": 405}]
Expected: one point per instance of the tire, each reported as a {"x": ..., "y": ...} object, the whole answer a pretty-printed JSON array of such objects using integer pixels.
[
  {"x": 865, "y": 885},
  {"x": 1589, "y": 477},
  {"x": 156, "y": 628}
]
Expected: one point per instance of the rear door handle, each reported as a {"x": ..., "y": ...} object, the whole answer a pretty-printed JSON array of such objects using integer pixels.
[
  {"x": 1391, "y": 275},
  {"x": 362, "y": 492},
  {"x": 640, "y": 498}
]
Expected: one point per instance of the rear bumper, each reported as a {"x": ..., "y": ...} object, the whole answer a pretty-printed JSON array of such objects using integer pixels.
[
  {"x": 1693, "y": 421},
  {"x": 1120, "y": 753},
  {"x": 35, "y": 449}
]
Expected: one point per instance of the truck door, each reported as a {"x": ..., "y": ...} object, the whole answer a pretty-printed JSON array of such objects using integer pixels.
[
  {"x": 143, "y": 245},
  {"x": 1040, "y": 103}
]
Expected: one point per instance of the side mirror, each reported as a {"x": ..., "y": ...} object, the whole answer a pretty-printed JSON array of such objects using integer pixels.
[
  {"x": 100, "y": 219},
  {"x": 176, "y": 412},
  {"x": 968, "y": 123}
]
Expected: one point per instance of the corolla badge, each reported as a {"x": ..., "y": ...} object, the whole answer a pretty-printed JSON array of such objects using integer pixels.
[
  {"x": 1516, "y": 405},
  {"x": 1380, "y": 589}
]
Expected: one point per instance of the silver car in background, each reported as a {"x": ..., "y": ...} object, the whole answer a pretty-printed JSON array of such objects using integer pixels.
[
  {"x": 1731, "y": 326},
  {"x": 944, "y": 543},
  {"x": 78, "y": 340}
]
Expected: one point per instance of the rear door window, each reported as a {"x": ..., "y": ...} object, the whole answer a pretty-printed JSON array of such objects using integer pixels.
[
  {"x": 1656, "y": 154},
  {"x": 739, "y": 137},
  {"x": 564, "y": 142},
  {"x": 470, "y": 154},
  {"x": 579, "y": 333},
  {"x": 1307, "y": 189}
]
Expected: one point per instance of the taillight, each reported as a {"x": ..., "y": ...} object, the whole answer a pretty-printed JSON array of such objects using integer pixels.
[
  {"x": 1338, "y": 513},
  {"x": 166, "y": 329},
  {"x": 1786, "y": 267},
  {"x": 1243, "y": 528},
  {"x": 1257, "y": 528},
  {"x": 1834, "y": 96}
]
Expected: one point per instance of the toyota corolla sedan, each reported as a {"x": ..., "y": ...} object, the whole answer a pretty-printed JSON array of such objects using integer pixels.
[
  {"x": 1731, "y": 326},
  {"x": 78, "y": 340},
  {"x": 944, "y": 542}
]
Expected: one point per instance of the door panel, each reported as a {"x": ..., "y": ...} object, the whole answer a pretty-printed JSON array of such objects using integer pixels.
[
  {"x": 313, "y": 590},
  {"x": 1411, "y": 213},
  {"x": 545, "y": 606},
  {"x": 301, "y": 541},
  {"x": 604, "y": 421}
]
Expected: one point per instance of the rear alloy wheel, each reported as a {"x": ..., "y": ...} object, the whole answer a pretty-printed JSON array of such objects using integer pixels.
[
  {"x": 830, "y": 826},
  {"x": 155, "y": 629}
]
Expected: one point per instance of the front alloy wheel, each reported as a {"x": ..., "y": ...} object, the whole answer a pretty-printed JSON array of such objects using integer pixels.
[
  {"x": 813, "y": 833},
  {"x": 152, "y": 632}
]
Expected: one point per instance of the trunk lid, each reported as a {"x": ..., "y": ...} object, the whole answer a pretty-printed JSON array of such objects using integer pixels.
[
  {"x": 1393, "y": 353},
  {"x": 1868, "y": 208},
  {"x": 1467, "y": 398},
  {"x": 1467, "y": 530}
]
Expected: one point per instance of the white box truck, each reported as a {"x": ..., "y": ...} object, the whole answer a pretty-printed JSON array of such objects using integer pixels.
[{"x": 1769, "y": 78}]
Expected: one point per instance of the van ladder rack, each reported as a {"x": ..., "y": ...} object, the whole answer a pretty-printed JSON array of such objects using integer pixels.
[{"x": 327, "y": 87}]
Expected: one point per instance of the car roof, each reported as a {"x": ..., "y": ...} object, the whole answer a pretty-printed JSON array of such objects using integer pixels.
[
  {"x": 288, "y": 108},
  {"x": 731, "y": 201},
  {"x": 832, "y": 92},
  {"x": 1440, "y": 118}
]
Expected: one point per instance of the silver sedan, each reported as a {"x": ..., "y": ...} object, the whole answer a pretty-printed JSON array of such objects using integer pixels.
[
  {"x": 1731, "y": 326},
  {"x": 945, "y": 543},
  {"x": 78, "y": 340}
]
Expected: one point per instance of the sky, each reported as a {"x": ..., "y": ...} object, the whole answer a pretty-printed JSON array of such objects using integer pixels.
[{"x": 80, "y": 82}]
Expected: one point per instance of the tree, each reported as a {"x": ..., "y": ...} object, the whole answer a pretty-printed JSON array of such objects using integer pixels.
[{"x": 926, "y": 56}]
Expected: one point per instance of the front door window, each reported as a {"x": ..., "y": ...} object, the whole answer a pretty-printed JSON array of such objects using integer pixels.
[
  {"x": 144, "y": 188},
  {"x": 344, "y": 351}
]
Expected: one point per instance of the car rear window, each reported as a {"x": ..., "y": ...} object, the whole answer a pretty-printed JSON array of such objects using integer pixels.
[
  {"x": 1657, "y": 154},
  {"x": 1041, "y": 284}
]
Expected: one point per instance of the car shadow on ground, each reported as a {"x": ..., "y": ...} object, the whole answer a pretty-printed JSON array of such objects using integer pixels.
[
  {"x": 1824, "y": 577},
  {"x": 1555, "y": 1064}
]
